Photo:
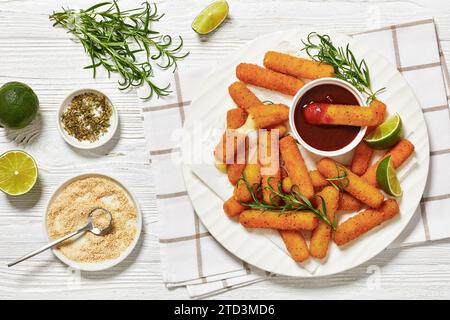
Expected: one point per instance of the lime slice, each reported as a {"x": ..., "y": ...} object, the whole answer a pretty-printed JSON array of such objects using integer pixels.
[
  {"x": 18, "y": 172},
  {"x": 386, "y": 134},
  {"x": 387, "y": 178},
  {"x": 211, "y": 17}
]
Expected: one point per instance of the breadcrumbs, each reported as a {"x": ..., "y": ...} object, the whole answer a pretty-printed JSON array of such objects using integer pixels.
[{"x": 70, "y": 209}]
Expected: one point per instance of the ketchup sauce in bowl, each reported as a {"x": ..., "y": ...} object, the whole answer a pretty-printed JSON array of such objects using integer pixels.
[{"x": 325, "y": 140}]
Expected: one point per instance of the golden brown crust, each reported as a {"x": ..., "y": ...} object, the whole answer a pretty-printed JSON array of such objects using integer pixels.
[
  {"x": 242, "y": 95},
  {"x": 267, "y": 116},
  {"x": 320, "y": 237},
  {"x": 296, "y": 67},
  {"x": 295, "y": 166},
  {"x": 236, "y": 118},
  {"x": 288, "y": 220},
  {"x": 232, "y": 207},
  {"x": 357, "y": 186},
  {"x": 399, "y": 154},
  {"x": 261, "y": 77},
  {"x": 361, "y": 158},
  {"x": 364, "y": 221},
  {"x": 295, "y": 244}
]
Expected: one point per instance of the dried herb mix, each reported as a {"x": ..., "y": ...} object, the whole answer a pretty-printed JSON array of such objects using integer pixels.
[{"x": 87, "y": 117}]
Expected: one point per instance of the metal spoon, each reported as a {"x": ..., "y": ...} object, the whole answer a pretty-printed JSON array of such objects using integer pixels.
[{"x": 90, "y": 227}]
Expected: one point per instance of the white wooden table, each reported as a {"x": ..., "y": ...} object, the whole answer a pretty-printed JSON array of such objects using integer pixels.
[{"x": 34, "y": 52}]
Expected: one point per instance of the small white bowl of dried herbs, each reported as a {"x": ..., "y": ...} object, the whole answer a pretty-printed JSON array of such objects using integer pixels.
[{"x": 87, "y": 119}]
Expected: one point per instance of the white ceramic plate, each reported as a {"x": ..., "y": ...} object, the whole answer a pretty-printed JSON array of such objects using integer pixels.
[
  {"x": 100, "y": 265},
  {"x": 209, "y": 108}
]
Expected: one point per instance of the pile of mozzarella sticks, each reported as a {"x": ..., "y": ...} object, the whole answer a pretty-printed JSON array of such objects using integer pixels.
[{"x": 286, "y": 74}]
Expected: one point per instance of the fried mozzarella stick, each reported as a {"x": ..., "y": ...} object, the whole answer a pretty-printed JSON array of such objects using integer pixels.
[
  {"x": 242, "y": 96},
  {"x": 320, "y": 237},
  {"x": 399, "y": 154},
  {"x": 356, "y": 186},
  {"x": 266, "y": 116},
  {"x": 348, "y": 202},
  {"x": 295, "y": 244},
  {"x": 339, "y": 114},
  {"x": 318, "y": 180},
  {"x": 363, "y": 153},
  {"x": 295, "y": 166},
  {"x": 261, "y": 77},
  {"x": 231, "y": 148},
  {"x": 365, "y": 221},
  {"x": 380, "y": 112},
  {"x": 296, "y": 67},
  {"x": 236, "y": 118},
  {"x": 287, "y": 220},
  {"x": 361, "y": 158},
  {"x": 253, "y": 176},
  {"x": 232, "y": 207},
  {"x": 269, "y": 159},
  {"x": 234, "y": 172}
]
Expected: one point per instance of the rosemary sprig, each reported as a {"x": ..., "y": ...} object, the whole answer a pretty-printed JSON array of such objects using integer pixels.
[
  {"x": 346, "y": 66},
  {"x": 340, "y": 181},
  {"x": 282, "y": 201},
  {"x": 114, "y": 38}
]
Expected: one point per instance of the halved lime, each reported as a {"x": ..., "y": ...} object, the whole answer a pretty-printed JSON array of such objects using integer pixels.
[
  {"x": 211, "y": 17},
  {"x": 387, "y": 178},
  {"x": 18, "y": 172},
  {"x": 386, "y": 134}
]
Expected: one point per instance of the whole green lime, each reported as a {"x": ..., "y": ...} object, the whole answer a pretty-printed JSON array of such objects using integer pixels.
[{"x": 18, "y": 105}]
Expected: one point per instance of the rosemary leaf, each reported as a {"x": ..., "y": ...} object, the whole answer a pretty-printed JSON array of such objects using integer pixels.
[
  {"x": 344, "y": 62},
  {"x": 115, "y": 39}
]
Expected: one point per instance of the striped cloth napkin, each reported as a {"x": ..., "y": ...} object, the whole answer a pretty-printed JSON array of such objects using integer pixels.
[{"x": 192, "y": 258}]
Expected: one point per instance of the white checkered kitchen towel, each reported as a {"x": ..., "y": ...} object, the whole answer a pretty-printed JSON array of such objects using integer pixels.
[{"x": 192, "y": 258}]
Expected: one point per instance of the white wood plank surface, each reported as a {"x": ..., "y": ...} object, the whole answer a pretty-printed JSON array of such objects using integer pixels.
[{"x": 32, "y": 51}]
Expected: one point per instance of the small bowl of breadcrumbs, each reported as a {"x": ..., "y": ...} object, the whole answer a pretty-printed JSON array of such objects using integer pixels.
[{"x": 68, "y": 210}]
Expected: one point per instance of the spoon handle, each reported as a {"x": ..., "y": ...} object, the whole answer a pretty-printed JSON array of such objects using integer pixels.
[{"x": 47, "y": 246}]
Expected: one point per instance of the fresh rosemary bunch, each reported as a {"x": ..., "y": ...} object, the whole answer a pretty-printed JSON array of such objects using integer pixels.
[
  {"x": 123, "y": 42},
  {"x": 346, "y": 67},
  {"x": 292, "y": 201}
]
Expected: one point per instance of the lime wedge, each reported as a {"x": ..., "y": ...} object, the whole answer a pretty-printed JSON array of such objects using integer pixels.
[
  {"x": 386, "y": 134},
  {"x": 387, "y": 178},
  {"x": 211, "y": 17},
  {"x": 18, "y": 172}
]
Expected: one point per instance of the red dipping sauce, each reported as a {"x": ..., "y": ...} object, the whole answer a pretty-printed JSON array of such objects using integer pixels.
[{"x": 322, "y": 137}]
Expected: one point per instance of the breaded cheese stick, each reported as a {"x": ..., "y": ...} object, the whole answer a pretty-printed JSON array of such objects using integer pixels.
[
  {"x": 242, "y": 95},
  {"x": 380, "y": 112},
  {"x": 295, "y": 244},
  {"x": 231, "y": 148},
  {"x": 365, "y": 221},
  {"x": 356, "y": 186},
  {"x": 361, "y": 158},
  {"x": 286, "y": 184},
  {"x": 296, "y": 67},
  {"x": 287, "y": 220},
  {"x": 234, "y": 172},
  {"x": 236, "y": 118},
  {"x": 295, "y": 166},
  {"x": 399, "y": 154},
  {"x": 318, "y": 180},
  {"x": 267, "y": 116},
  {"x": 232, "y": 207},
  {"x": 269, "y": 159},
  {"x": 339, "y": 114},
  {"x": 320, "y": 237},
  {"x": 348, "y": 202},
  {"x": 253, "y": 176},
  {"x": 261, "y": 77}
]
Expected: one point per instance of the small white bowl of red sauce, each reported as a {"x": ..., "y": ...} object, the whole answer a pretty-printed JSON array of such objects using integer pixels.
[{"x": 325, "y": 140}]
